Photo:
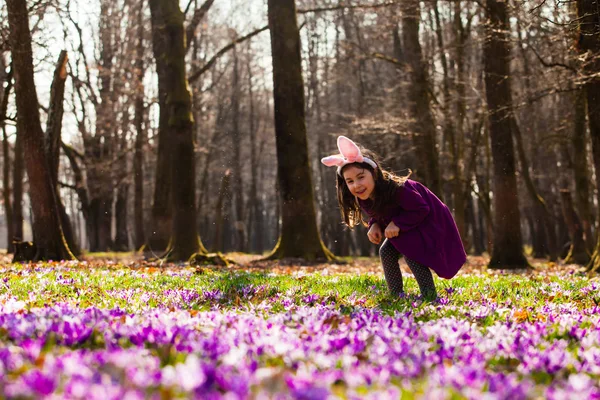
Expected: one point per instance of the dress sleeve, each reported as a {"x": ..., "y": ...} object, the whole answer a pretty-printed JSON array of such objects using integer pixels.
[{"x": 414, "y": 208}]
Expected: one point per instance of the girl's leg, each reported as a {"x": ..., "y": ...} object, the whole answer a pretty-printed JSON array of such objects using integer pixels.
[
  {"x": 424, "y": 278},
  {"x": 389, "y": 259}
]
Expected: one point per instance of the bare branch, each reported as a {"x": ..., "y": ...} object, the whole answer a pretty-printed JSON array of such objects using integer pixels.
[
  {"x": 534, "y": 9},
  {"x": 389, "y": 59},
  {"x": 343, "y": 6},
  {"x": 68, "y": 186},
  {"x": 198, "y": 15},
  {"x": 71, "y": 151},
  {"x": 88, "y": 81},
  {"x": 196, "y": 74},
  {"x": 187, "y": 8},
  {"x": 550, "y": 64}
]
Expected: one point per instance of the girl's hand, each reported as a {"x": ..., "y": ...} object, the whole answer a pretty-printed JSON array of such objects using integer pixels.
[
  {"x": 374, "y": 234},
  {"x": 391, "y": 231}
]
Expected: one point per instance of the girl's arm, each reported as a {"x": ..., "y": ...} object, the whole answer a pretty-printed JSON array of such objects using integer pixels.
[{"x": 414, "y": 208}]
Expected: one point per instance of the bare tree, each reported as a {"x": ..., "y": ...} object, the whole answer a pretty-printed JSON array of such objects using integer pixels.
[
  {"x": 508, "y": 247},
  {"x": 6, "y": 192},
  {"x": 48, "y": 233},
  {"x": 140, "y": 137},
  {"x": 167, "y": 21},
  {"x": 299, "y": 235},
  {"x": 588, "y": 16},
  {"x": 423, "y": 128}
]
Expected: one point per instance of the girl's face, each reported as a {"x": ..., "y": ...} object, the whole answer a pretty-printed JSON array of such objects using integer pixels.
[{"x": 360, "y": 182}]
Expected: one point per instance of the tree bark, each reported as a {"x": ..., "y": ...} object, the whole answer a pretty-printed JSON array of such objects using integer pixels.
[
  {"x": 80, "y": 188},
  {"x": 588, "y": 16},
  {"x": 17, "y": 192},
  {"x": 545, "y": 220},
  {"x": 299, "y": 234},
  {"x": 453, "y": 136},
  {"x": 48, "y": 234},
  {"x": 6, "y": 192},
  {"x": 255, "y": 229},
  {"x": 53, "y": 141},
  {"x": 580, "y": 168},
  {"x": 546, "y": 217},
  {"x": 140, "y": 137},
  {"x": 99, "y": 148},
  {"x": 423, "y": 126},
  {"x": 577, "y": 251},
  {"x": 222, "y": 212},
  {"x": 508, "y": 244},
  {"x": 55, "y": 115},
  {"x": 160, "y": 230},
  {"x": 121, "y": 242},
  {"x": 167, "y": 18},
  {"x": 239, "y": 224}
]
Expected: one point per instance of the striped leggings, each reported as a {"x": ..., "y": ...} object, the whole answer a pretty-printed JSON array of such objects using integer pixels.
[{"x": 391, "y": 269}]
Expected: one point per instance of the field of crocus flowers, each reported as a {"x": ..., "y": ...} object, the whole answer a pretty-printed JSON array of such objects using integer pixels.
[{"x": 133, "y": 330}]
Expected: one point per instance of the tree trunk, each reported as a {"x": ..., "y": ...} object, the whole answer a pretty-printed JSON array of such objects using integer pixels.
[
  {"x": 354, "y": 102},
  {"x": 160, "y": 230},
  {"x": 485, "y": 209},
  {"x": 539, "y": 232},
  {"x": 55, "y": 115},
  {"x": 508, "y": 244},
  {"x": 80, "y": 188},
  {"x": 99, "y": 148},
  {"x": 577, "y": 252},
  {"x": 168, "y": 19},
  {"x": 100, "y": 187},
  {"x": 580, "y": 168},
  {"x": 423, "y": 126},
  {"x": 461, "y": 36},
  {"x": 299, "y": 234},
  {"x": 476, "y": 233},
  {"x": 453, "y": 136},
  {"x": 239, "y": 224},
  {"x": 53, "y": 140},
  {"x": 121, "y": 242},
  {"x": 255, "y": 230},
  {"x": 546, "y": 217},
  {"x": 140, "y": 137},
  {"x": 18, "y": 172},
  {"x": 48, "y": 234},
  {"x": 6, "y": 192},
  {"x": 222, "y": 212},
  {"x": 203, "y": 199},
  {"x": 588, "y": 15}
]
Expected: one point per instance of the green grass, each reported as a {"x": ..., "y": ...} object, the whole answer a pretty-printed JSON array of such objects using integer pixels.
[{"x": 149, "y": 288}]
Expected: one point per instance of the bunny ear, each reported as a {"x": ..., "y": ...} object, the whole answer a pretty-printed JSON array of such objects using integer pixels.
[
  {"x": 349, "y": 149},
  {"x": 333, "y": 161}
]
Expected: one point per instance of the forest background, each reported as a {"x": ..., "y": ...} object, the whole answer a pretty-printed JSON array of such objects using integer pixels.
[{"x": 492, "y": 104}]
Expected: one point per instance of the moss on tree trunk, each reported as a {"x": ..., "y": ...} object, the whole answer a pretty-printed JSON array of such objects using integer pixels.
[{"x": 168, "y": 19}]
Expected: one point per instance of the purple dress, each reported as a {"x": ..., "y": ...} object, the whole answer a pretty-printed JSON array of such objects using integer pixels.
[{"x": 428, "y": 233}]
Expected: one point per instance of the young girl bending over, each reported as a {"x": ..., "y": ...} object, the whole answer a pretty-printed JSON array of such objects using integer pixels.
[{"x": 414, "y": 221}]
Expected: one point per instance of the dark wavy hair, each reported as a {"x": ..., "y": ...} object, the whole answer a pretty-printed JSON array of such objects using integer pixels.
[{"x": 386, "y": 184}]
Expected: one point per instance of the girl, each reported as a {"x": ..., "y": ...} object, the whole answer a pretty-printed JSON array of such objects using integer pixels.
[{"x": 413, "y": 220}]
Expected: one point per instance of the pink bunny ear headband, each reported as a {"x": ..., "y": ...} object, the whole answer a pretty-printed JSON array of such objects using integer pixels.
[{"x": 349, "y": 153}]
